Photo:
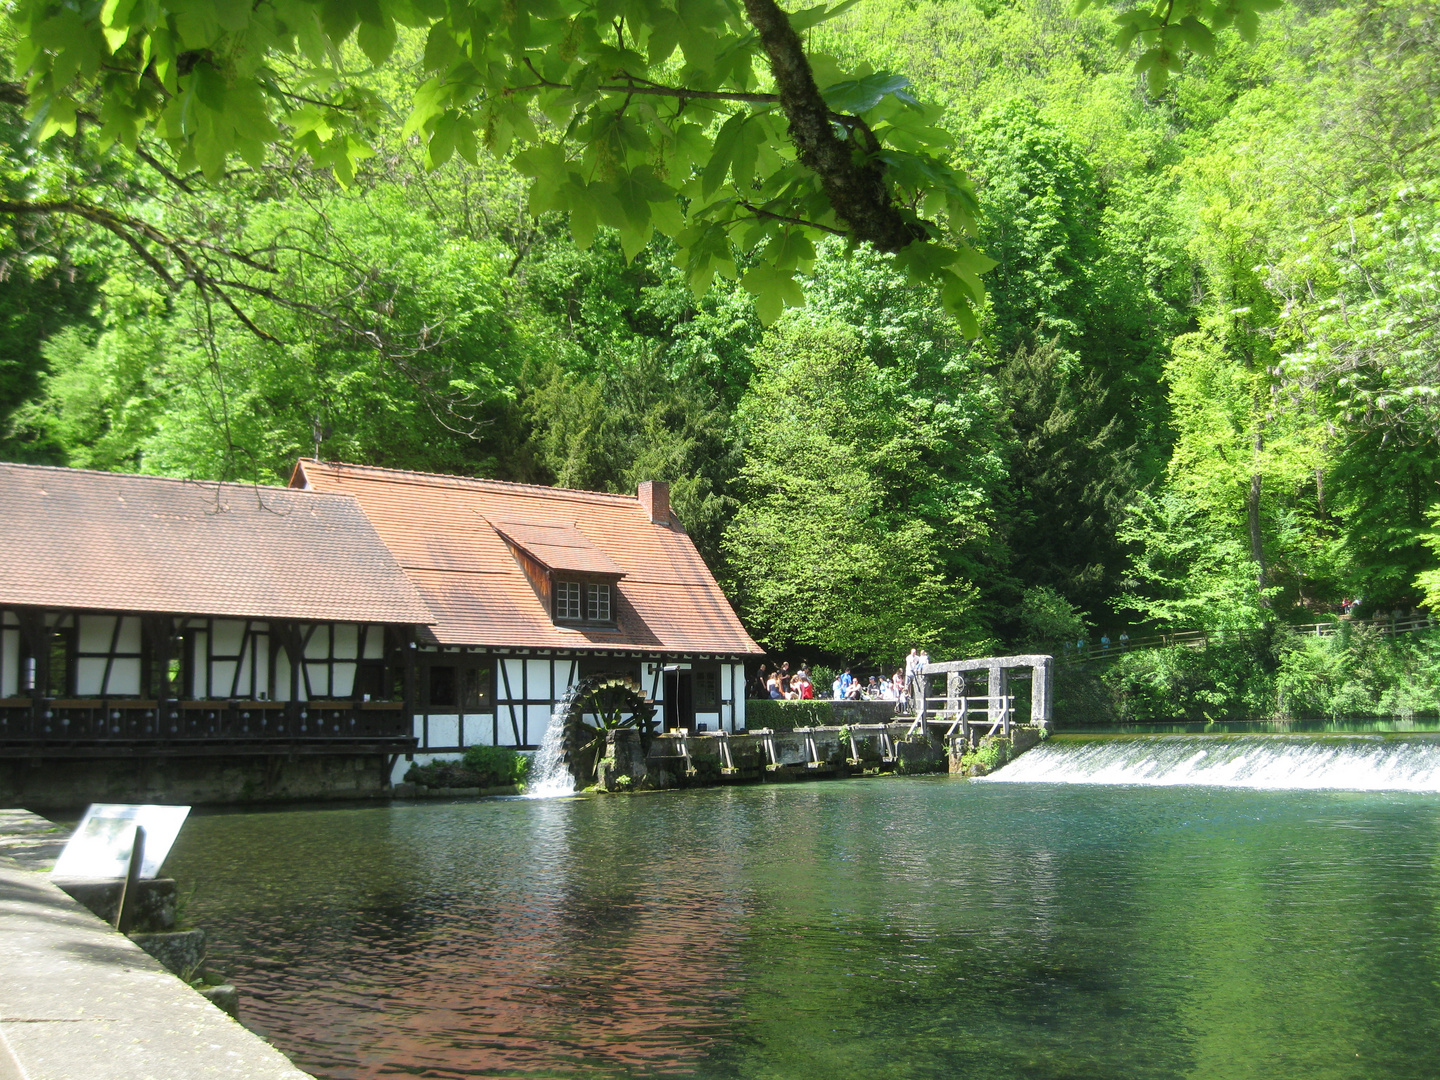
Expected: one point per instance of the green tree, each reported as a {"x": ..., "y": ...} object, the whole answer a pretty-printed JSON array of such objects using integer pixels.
[
  {"x": 836, "y": 545},
  {"x": 1071, "y": 476},
  {"x": 609, "y": 431}
]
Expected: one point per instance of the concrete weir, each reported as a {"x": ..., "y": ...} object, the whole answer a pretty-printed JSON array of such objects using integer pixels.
[{"x": 79, "y": 1001}]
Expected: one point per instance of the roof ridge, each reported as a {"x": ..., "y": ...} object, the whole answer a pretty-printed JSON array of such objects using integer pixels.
[
  {"x": 66, "y": 470},
  {"x": 401, "y": 474}
]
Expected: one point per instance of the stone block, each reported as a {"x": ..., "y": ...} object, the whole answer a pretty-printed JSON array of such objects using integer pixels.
[
  {"x": 182, "y": 953},
  {"x": 152, "y": 907},
  {"x": 224, "y": 997}
]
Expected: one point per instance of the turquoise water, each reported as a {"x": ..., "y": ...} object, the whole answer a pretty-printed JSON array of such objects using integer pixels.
[{"x": 907, "y": 928}]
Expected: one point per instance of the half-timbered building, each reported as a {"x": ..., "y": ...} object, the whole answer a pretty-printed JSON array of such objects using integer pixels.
[
  {"x": 145, "y": 619},
  {"x": 362, "y": 615},
  {"x": 533, "y": 588}
]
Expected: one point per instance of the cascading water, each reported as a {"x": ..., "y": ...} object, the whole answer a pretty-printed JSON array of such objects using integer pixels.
[
  {"x": 550, "y": 775},
  {"x": 1365, "y": 763}
]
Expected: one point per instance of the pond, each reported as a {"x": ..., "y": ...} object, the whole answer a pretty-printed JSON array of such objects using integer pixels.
[{"x": 893, "y": 927}]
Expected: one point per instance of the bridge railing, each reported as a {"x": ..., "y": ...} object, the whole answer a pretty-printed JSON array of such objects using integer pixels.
[{"x": 1200, "y": 639}]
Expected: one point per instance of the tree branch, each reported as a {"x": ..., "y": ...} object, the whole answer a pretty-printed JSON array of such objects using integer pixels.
[{"x": 857, "y": 190}]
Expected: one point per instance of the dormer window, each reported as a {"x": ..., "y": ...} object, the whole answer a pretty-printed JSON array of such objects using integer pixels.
[
  {"x": 567, "y": 600},
  {"x": 587, "y": 601},
  {"x": 572, "y": 577},
  {"x": 597, "y": 603}
]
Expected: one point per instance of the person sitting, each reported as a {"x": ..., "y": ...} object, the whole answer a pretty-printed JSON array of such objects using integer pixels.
[
  {"x": 854, "y": 691},
  {"x": 773, "y": 686},
  {"x": 806, "y": 687}
]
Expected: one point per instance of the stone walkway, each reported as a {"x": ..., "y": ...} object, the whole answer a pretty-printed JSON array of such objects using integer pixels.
[{"x": 79, "y": 1001}]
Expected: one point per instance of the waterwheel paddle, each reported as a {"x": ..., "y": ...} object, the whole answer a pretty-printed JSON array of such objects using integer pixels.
[{"x": 596, "y": 706}]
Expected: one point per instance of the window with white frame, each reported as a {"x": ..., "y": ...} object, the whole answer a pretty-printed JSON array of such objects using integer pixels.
[
  {"x": 567, "y": 600},
  {"x": 597, "y": 603}
]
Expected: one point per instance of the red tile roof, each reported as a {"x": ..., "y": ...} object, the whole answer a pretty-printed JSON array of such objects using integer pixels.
[
  {"x": 558, "y": 546},
  {"x": 440, "y": 530},
  {"x": 108, "y": 541}
]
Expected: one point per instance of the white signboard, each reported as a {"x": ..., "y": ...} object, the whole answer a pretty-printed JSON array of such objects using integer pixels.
[{"x": 100, "y": 848}]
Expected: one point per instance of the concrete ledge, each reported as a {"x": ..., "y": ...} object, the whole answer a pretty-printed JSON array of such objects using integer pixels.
[{"x": 81, "y": 1002}]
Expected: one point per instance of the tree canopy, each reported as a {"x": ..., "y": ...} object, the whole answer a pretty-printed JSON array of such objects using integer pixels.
[
  {"x": 1200, "y": 390},
  {"x": 709, "y": 121}
]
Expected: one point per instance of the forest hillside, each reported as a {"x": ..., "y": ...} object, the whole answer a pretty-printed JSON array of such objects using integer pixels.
[{"x": 1203, "y": 392}]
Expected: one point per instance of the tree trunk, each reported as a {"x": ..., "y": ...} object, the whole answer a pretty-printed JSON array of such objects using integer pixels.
[{"x": 1252, "y": 512}]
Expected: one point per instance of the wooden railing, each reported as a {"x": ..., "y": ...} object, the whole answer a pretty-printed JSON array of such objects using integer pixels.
[
  {"x": 1200, "y": 639},
  {"x": 62, "y": 722}
]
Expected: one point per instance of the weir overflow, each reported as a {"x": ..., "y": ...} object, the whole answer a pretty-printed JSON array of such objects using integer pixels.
[{"x": 1408, "y": 762}]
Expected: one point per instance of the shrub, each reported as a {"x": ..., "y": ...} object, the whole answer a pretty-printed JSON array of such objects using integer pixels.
[
  {"x": 788, "y": 715},
  {"x": 482, "y": 767},
  {"x": 499, "y": 765}
]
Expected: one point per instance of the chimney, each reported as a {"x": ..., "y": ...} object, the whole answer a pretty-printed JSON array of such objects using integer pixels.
[{"x": 655, "y": 501}]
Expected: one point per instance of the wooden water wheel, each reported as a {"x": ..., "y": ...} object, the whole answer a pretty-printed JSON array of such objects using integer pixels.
[{"x": 596, "y": 706}]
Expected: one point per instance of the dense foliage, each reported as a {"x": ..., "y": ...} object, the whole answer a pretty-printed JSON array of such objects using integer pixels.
[
  {"x": 1201, "y": 389},
  {"x": 1272, "y": 674}
]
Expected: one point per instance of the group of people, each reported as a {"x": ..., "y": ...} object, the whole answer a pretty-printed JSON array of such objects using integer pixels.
[{"x": 781, "y": 684}]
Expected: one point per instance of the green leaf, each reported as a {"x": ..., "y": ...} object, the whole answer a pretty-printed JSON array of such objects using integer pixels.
[
  {"x": 582, "y": 221},
  {"x": 746, "y": 151},
  {"x": 804, "y": 20},
  {"x": 721, "y": 155},
  {"x": 442, "y": 141},
  {"x": 440, "y": 48},
  {"x": 857, "y": 96},
  {"x": 376, "y": 41}
]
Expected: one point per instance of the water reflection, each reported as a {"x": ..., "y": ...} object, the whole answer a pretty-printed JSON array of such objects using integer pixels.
[{"x": 911, "y": 928}]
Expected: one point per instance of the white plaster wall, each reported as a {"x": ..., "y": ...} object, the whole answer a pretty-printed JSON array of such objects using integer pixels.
[
  {"x": 347, "y": 639},
  {"x": 229, "y": 633},
  {"x": 9, "y": 662},
  {"x": 538, "y": 674},
  {"x": 88, "y": 674},
  {"x": 444, "y": 730},
  {"x": 515, "y": 673},
  {"x": 343, "y": 685},
  {"x": 281, "y": 689},
  {"x": 258, "y": 663},
  {"x": 375, "y": 643},
  {"x": 318, "y": 647},
  {"x": 222, "y": 678},
  {"x": 94, "y": 636},
  {"x": 202, "y": 674},
  {"x": 711, "y": 720},
  {"x": 477, "y": 729}
]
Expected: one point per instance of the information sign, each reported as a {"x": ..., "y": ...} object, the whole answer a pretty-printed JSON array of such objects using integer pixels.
[{"x": 100, "y": 846}]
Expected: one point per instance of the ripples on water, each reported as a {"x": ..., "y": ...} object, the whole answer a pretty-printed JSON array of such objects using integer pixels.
[{"x": 905, "y": 928}]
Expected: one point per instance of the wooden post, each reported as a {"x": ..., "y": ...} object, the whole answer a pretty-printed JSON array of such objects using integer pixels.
[{"x": 130, "y": 886}]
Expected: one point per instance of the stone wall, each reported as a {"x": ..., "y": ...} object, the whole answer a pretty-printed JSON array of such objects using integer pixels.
[
  {"x": 701, "y": 760},
  {"x": 57, "y": 784}
]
